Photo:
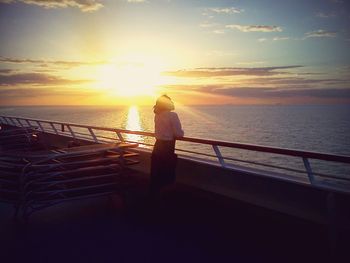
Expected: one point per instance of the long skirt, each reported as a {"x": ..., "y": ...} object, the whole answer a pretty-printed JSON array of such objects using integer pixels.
[{"x": 163, "y": 165}]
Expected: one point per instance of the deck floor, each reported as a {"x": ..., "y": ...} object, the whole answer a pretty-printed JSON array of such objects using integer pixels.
[{"x": 185, "y": 227}]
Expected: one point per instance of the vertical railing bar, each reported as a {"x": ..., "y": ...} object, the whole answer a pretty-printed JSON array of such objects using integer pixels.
[
  {"x": 53, "y": 127},
  {"x": 120, "y": 136},
  {"x": 28, "y": 122},
  {"x": 2, "y": 118},
  {"x": 309, "y": 170},
  {"x": 219, "y": 155},
  {"x": 7, "y": 122},
  {"x": 71, "y": 131},
  {"x": 93, "y": 134},
  {"x": 19, "y": 121},
  {"x": 13, "y": 122},
  {"x": 40, "y": 126},
  {"x": 62, "y": 127}
]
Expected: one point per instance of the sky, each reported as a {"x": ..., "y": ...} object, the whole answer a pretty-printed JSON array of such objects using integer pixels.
[{"x": 117, "y": 52}]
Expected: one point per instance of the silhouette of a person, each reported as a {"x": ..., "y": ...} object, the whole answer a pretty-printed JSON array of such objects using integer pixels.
[{"x": 167, "y": 128}]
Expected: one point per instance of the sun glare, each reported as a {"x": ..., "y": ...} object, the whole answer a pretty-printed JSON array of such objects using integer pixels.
[{"x": 129, "y": 80}]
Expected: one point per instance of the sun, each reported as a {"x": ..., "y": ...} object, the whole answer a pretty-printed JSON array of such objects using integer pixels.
[{"x": 128, "y": 80}]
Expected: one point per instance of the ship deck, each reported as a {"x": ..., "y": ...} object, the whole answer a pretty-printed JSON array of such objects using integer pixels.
[
  {"x": 214, "y": 213},
  {"x": 185, "y": 227}
]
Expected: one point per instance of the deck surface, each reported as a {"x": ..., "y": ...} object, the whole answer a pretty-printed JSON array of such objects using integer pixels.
[{"x": 185, "y": 227}]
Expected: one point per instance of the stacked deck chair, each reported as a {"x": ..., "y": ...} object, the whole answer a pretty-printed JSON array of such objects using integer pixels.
[
  {"x": 14, "y": 140},
  {"x": 19, "y": 138},
  {"x": 42, "y": 179}
]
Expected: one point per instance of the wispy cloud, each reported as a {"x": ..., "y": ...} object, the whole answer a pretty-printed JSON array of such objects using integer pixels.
[
  {"x": 219, "y": 31},
  {"x": 262, "y": 39},
  {"x": 44, "y": 63},
  {"x": 251, "y": 63},
  {"x": 280, "y": 38},
  {"x": 83, "y": 5},
  {"x": 297, "y": 81},
  {"x": 337, "y": 1},
  {"x": 35, "y": 79},
  {"x": 226, "y": 10},
  {"x": 255, "y": 28},
  {"x": 20, "y": 92},
  {"x": 230, "y": 71},
  {"x": 208, "y": 25},
  {"x": 6, "y": 71},
  {"x": 325, "y": 15},
  {"x": 257, "y": 92},
  {"x": 137, "y": 1},
  {"x": 321, "y": 33}
]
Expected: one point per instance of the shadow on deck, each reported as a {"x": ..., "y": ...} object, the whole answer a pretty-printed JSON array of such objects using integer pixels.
[{"x": 186, "y": 227}]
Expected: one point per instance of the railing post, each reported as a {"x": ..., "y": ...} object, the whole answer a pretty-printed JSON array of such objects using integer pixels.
[
  {"x": 71, "y": 131},
  {"x": 9, "y": 121},
  {"x": 53, "y": 127},
  {"x": 40, "y": 126},
  {"x": 219, "y": 155},
  {"x": 62, "y": 127},
  {"x": 120, "y": 136},
  {"x": 18, "y": 120},
  {"x": 27, "y": 121},
  {"x": 309, "y": 170},
  {"x": 93, "y": 134},
  {"x": 6, "y": 121},
  {"x": 13, "y": 122}
]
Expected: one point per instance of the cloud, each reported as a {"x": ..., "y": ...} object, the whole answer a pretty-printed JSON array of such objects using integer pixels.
[
  {"x": 255, "y": 28},
  {"x": 6, "y": 71},
  {"x": 44, "y": 63},
  {"x": 219, "y": 31},
  {"x": 257, "y": 92},
  {"x": 280, "y": 38},
  {"x": 320, "y": 33},
  {"x": 297, "y": 82},
  {"x": 226, "y": 10},
  {"x": 137, "y": 1},
  {"x": 325, "y": 15},
  {"x": 83, "y": 5},
  {"x": 262, "y": 39},
  {"x": 268, "y": 94},
  {"x": 6, "y": 93},
  {"x": 230, "y": 71},
  {"x": 337, "y": 1},
  {"x": 35, "y": 79},
  {"x": 251, "y": 62},
  {"x": 208, "y": 25}
]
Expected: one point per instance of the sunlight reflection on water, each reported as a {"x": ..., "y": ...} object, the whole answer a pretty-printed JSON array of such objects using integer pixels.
[{"x": 133, "y": 123}]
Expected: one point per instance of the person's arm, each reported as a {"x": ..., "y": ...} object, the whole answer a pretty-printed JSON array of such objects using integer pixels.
[{"x": 176, "y": 125}]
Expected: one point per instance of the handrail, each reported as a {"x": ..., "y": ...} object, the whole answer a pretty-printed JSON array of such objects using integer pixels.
[
  {"x": 244, "y": 146},
  {"x": 305, "y": 155}
]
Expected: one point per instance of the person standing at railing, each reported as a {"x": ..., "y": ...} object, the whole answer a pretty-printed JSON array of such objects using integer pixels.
[{"x": 167, "y": 128}]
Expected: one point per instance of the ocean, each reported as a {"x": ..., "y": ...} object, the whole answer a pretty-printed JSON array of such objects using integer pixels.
[{"x": 320, "y": 128}]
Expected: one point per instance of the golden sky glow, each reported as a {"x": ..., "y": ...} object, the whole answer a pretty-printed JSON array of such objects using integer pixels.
[{"x": 199, "y": 52}]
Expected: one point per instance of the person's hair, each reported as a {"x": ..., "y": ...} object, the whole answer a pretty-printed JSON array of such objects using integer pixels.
[{"x": 163, "y": 103}]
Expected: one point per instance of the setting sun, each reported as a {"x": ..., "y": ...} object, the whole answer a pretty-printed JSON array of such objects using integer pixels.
[{"x": 129, "y": 79}]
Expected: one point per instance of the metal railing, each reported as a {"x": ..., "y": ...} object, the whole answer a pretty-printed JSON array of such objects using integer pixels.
[{"x": 99, "y": 135}]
